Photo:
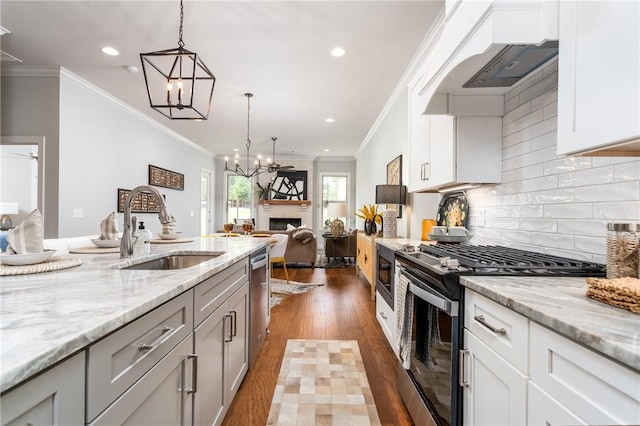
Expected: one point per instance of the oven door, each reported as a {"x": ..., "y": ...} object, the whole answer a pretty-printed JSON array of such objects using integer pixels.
[{"x": 435, "y": 340}]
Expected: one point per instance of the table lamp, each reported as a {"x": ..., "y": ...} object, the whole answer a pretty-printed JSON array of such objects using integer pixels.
[
  {"x": 337, "y": 210},
  {"x": 391, "y": 194},
  {"x": 7, "y": 208}
]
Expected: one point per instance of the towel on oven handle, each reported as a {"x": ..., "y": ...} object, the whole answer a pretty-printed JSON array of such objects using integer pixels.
[
  {"x": 404, "y": 315},
  {"x": 429, "y": 334}
]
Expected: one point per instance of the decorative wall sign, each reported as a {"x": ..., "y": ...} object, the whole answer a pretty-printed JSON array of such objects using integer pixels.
[
  {"x": 290, "y": 185},
  {"x": 165, "y": 178},
  {"x": 394, "y": 177},
  {"x": 143, "y": 202}
]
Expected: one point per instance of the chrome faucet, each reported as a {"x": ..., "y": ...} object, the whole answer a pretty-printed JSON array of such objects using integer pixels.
[{"x": 126, "y": 245}]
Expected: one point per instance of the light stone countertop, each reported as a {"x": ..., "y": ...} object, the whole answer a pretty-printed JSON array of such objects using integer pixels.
[
  {"x": 48, "y": 316},
  {"x": 562, "y": 305}
]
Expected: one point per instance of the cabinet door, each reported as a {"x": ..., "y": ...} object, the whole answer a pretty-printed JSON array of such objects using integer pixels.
[
  {"x": 542, "y": 409},
  {"x": 210, "y": 345},
  {"x": 496, "y": 391},
  {"x": 598, "y": 74},
  {"x": 443, "y": 150},
  {"x": 160, "y": 397},
  {"x": 418, "y": 143},
  {"x": 238, "y": 347},
  {"x": 55, "y": 397}
]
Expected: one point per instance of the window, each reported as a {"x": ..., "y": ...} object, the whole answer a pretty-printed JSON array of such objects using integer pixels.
[
  {"x": 238, "y": 198},
  {"x": 334, "y": 189}
]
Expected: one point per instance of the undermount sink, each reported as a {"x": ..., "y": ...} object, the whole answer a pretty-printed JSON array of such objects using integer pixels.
[{"x": 174, "y": 261}]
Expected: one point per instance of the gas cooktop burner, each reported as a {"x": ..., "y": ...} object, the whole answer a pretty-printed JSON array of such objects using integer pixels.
[{"x": 488, "y": 260}]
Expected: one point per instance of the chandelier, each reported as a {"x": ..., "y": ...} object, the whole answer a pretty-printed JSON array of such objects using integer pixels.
[
  {"x": 257, "y": 166},
  {"x": 179, "y": 84}
]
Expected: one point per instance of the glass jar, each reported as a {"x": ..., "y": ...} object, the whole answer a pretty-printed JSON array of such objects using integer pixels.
[{"x": 622, "y": 250}]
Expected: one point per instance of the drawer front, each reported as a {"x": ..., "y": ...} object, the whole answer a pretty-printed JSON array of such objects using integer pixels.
[
  {"x": 118, "y": 361},
  {"x": 601, "y": 391},
  {"x": 387, "y": 319},
  {"x": 211, "y": 293},
  {"x": 503, "y": 330}
]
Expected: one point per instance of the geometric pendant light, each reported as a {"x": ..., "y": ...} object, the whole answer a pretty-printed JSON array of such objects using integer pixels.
[{"x": 179, "y": 84}]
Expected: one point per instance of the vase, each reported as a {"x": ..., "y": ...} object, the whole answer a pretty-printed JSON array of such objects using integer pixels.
[{"x": 370, "y": 227}]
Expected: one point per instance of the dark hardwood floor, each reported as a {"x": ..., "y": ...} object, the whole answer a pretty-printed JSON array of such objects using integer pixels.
[{"x": 339, "y": 310}]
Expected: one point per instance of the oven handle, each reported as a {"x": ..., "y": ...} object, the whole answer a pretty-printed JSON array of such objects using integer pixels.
[{"x": 437, "y": 300}]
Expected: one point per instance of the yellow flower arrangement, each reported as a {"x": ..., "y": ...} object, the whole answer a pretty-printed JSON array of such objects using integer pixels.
[{"x": 369, "y": 212}]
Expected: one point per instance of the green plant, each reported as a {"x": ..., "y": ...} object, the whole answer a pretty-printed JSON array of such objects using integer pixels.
[{"x": 262, "y": 192}]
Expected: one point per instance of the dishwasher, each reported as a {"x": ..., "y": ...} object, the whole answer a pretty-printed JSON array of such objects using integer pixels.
[{"x": 258, "y": 302}]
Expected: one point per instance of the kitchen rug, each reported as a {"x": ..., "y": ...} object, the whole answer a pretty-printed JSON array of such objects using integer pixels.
[
  {"x": 281, "y": 289},
  {"x": 322, "y": 382}
]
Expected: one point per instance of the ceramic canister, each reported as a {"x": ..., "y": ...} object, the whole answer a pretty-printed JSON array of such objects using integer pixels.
[{"x": 427, "y": 226}]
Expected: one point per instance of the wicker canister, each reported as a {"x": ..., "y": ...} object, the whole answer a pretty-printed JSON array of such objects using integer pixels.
[{"x": 623, "y": 240}]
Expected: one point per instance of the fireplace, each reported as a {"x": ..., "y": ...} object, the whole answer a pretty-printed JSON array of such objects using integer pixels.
[{"x": 280, "y": 223}]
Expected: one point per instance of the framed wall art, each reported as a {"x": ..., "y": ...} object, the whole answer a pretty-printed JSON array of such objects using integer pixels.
[
  {"x": 394, "y": 177},
  {"x": 290, "y": 185},
  {"x": 143, "y": 202},
  {"x": 165, "y": 178}
]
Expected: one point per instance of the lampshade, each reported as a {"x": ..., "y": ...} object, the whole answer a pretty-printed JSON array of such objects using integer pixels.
[
  {"x": 337, "y": 209},
  {"x": 8, "y": 208},
  {"x": 179, "y": 84},
  {"x": 392, "y": 194}
]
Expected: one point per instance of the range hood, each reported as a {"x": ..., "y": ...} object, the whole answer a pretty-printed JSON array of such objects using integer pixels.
[{"x": 512, "y": 63}]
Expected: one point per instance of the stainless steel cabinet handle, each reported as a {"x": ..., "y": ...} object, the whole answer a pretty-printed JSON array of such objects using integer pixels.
[
  {"x": 195, "y": 374},
  {"x": 481, "y": 320},
  {"x": 166, "y": 329},
  {"x": 383, "y": 316},
  {"x": 234, "y": 320},
  {"x": 144, "y": 347},
  {"x": 227, "y": 337},
  {"x": 461, "y": 380}
]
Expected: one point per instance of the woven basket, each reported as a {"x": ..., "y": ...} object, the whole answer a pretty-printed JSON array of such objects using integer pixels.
[{"x": 620, "y": 292}]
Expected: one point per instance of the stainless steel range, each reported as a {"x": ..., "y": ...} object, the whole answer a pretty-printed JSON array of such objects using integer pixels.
[{"x": 432, "y": 319}]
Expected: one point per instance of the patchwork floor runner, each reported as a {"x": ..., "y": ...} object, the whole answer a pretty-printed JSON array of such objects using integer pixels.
[{"x": 322, "y": 382}]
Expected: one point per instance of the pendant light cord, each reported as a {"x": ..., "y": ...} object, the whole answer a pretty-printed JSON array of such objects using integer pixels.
[{"x": 180, "y": 42}]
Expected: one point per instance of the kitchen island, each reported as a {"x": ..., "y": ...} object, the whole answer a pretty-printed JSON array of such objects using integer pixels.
[{"x": 47, "y": 317}]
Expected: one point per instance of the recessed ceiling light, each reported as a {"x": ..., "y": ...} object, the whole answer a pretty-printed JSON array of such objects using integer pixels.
[
  {"x": 108, "y": 50},
  {"x": 338, "y": 51},
  {"x": 236, "y": 149},
  {"x": 329, "y": 120},
  {"x": 326, "y": 150}
]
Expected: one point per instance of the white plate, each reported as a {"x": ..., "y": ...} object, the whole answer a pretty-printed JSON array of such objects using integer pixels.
[
  {"x": 26, "y": 259},
  {"x": 106, "y": 243},
  {"x": 170, "y": 236},
  {"x": 449, "y": 238}
]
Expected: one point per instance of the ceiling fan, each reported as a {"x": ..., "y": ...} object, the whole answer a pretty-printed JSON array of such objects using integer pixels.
[{"x": 272, "y": 166}]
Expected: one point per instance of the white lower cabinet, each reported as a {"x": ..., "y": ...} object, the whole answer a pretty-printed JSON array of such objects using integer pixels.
[
  {"x": 163, "y": 396},
  {"x": 56, "y": 397},
  {"x": 387, "y": 319},
  {"x": 596, "y": 389},
  {"x": 545, "y": 410},
  {"x": 221, "y": 343}
]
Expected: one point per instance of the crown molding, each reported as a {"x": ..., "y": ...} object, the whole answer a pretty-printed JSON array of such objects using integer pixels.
[{"x": 29, "y": 71}]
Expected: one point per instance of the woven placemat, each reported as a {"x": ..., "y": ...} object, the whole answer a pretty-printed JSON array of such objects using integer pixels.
[
  {"x": 619, "y": 292},
  {"x": 177, "y": 240},
  {"x": 52, "y": 264},
  {"x": 94, "y": 250}
]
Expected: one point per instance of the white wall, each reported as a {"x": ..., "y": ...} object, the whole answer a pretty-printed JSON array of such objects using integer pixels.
[
  {"x": 555, "y": 205},
  {"x": 105, "y": 145},
  {"x": 98, "y": 144},
  {"x": 388, "y": 140}
]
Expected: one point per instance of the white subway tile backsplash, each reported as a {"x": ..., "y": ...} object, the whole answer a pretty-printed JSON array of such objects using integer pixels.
[
  {"x": 625, "y": 191},
  {"x": 617, "y": 211},
  {"x": 566, "y": 164},
  {"x": 553, "y": 196},
  {"x": 539, "y": 225},
  {"x": 590, "y": 228},
  {"x": 562, "y": 211},
  {"x": 626, "y": 171},
  {"x": 526, "y": 211},
  {"x": 520, "y": 199},
  {"x": 591, "y": 245},
  {"x": 592, "y": 176},
  {"x": 523, "y": 237},
  {"x": 553, "y": 240},
  {"x": 558, "y": 206}
]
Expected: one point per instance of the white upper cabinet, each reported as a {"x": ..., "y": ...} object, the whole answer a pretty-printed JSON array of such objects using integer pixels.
[{"x": 599, "y": 77}]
